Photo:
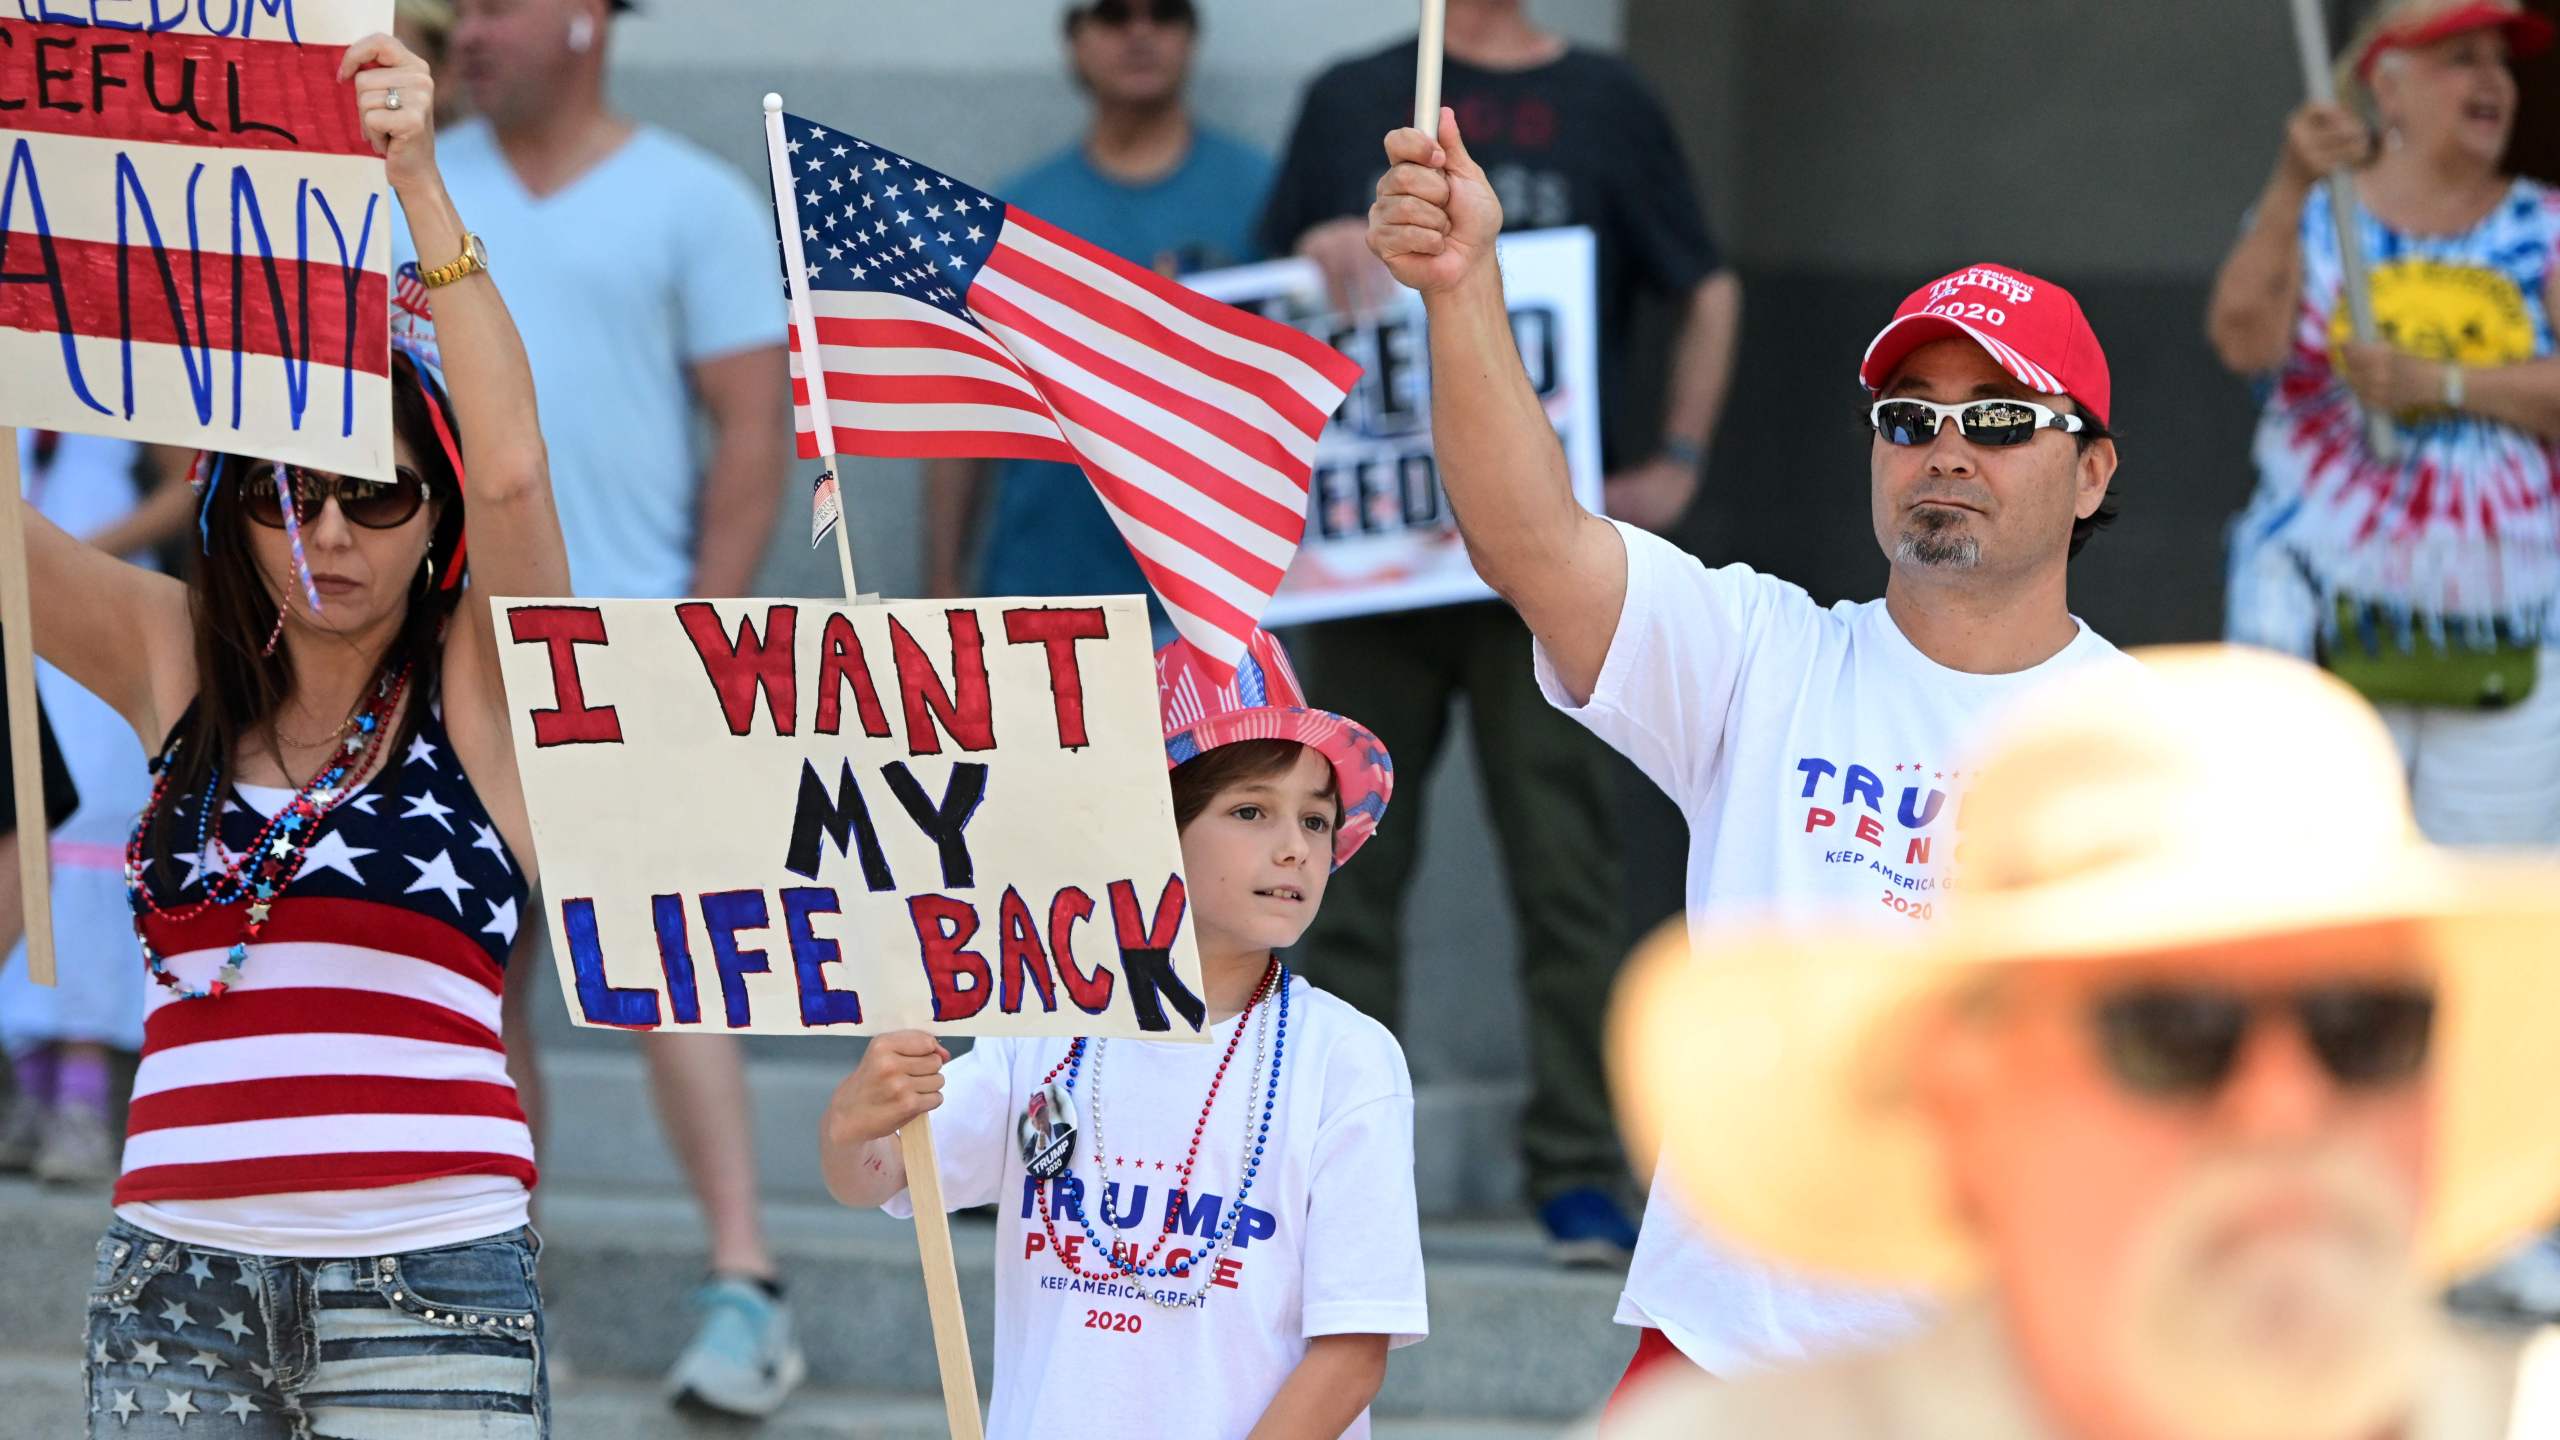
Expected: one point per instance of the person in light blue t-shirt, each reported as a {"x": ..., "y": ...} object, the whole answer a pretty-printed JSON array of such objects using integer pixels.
[
  {"x": 641, "y": 272},
  {"x": 1151, "y": 185}
]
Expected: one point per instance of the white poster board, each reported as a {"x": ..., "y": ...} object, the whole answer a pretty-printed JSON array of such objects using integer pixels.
[
  {"x": 195, "y": 235},
  {"x": 788, "y": 817},
  {"x": 1379, "y": 533}
]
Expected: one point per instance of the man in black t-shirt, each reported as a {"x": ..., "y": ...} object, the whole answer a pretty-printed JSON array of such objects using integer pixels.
[{"x": 1570, "y": 137}]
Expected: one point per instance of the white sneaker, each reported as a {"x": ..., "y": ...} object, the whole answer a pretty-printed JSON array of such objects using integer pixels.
[{"x": 743, "y": 1360}]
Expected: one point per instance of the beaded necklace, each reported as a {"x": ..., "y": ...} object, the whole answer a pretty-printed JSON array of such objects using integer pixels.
[
  {"x": 257, "y": 874},
  {"x": 1267, "y": 1037}
]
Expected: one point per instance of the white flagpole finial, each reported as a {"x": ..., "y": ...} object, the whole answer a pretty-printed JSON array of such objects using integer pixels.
[{"x": 773, "y": 102}]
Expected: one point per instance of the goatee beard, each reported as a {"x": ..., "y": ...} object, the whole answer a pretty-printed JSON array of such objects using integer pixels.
[{"x": 1937, "y": 538}]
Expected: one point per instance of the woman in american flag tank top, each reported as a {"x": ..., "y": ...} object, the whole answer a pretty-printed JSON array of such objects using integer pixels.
[{"x": 321, "y": 1225}]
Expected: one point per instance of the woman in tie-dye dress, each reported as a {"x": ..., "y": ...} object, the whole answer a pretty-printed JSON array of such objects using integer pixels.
[{"x": 2427, "y": 576}]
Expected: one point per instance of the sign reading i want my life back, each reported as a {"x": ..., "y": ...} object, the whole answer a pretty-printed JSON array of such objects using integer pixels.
[
  {"x": 805, "y": 817},
  {"x": 194, "y": 234}
]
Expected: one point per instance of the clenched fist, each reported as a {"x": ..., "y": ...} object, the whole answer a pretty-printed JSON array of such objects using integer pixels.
[
  {"x": 1436, "y": 216},
  {"x": 2319, "y": 139},
  {"x": 900, "y": 1078}
]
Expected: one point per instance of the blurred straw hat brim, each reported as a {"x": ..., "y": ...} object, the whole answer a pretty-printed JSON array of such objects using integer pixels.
[{"x": 2189, "y": 805}]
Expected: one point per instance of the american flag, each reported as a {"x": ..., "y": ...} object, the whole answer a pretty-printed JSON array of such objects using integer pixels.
[{"x": 950, "y": 323}]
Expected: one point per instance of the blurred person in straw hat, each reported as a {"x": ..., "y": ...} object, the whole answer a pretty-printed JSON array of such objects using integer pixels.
[{"x": 2213, "y": 1072}]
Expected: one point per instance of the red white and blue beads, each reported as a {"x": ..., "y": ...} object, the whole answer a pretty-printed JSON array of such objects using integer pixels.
[
  {"x": 259, "y": 873},
  {"x": 1257, "y": 1136}
]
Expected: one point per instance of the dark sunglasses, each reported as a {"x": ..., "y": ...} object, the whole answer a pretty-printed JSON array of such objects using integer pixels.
[
  {"x": 373, "y": 504},
  {"x": 1116, "y": 13},
  {"x": 2181, "y": 1042},
  {"x": 1984, "y": 422}
]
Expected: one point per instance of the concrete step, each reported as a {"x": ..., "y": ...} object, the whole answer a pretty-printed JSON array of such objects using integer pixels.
[
  {"x": 1512, "y": 1336},
  {"x": 603, "y": 1131},
  {"x": 40, "y": 1396}
]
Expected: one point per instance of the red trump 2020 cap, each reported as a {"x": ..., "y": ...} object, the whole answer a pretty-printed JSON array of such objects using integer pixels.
[{"x": 2032, "y": 327}]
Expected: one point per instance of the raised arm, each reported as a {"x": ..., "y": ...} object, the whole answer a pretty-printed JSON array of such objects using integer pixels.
[
  {"x": 1562, "y": 567},
  {"x": 119, "y": 630},
  {"x": 2250, "y": 319},
  {"x": 513, "y": 532}
]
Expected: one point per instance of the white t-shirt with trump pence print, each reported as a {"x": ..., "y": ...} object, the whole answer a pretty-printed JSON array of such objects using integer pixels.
[
  {"x": 1328, "y": 1242},
  {"x": 1814, "y": 754}
]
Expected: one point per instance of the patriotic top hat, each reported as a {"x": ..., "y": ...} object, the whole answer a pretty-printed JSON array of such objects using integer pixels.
[{"x": 1263, "y": 702}]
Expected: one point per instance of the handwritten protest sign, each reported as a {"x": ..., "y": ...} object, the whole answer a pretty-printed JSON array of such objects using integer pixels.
[
  {"x": 194, "y": 235},
  {"x": 797, "y": 816},
  {"x": 1379, "y": 533}
]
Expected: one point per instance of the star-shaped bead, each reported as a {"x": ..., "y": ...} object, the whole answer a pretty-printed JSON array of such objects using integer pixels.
[
  {"x": 146, "y": 1354},
  {"x": 235, "y": 1324},
  {"x": 182, "y": 1404},
  {"x": 257, "y": 916},
  {"x": 177, "y": 1314},
  {"x": 124, "y": 1409},
  {"x": 198, "y": 1269},
  {"x": 206, "y": 1361}
]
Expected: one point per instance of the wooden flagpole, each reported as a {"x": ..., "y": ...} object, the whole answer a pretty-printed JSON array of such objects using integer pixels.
[
  {"x": 2311, "y": 37},
  {"x": 1426, "y": 78},
  {"x": 26, "y": 757},
  {"x": 915, "y": 1139}
]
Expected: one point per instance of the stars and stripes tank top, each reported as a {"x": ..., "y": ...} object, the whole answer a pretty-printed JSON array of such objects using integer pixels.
[{"x": 349, "y": 1096}]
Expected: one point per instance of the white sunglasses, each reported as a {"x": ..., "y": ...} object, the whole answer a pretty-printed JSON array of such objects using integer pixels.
[{"x": 1984, "y": 422}]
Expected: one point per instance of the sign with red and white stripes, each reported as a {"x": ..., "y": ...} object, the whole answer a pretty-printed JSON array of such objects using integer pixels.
[
  {"x": 949, "y": 323},
  {"x": 195, "y": 237}
]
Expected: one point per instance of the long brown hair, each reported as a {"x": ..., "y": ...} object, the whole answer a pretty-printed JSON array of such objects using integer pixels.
[{"x": 238, "y": 687}]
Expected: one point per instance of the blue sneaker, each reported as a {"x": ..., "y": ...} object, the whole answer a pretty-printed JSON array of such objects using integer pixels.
[
  {"x": 1587, "y": 1227},
  {"x": 743, "y": 1361}
]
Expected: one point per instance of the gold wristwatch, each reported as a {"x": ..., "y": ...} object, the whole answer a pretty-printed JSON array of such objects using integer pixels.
[{"x": 473, "y": 260}]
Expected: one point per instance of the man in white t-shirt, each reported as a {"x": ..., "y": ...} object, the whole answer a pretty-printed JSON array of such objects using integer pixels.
[
  {"x": 641, "y": 272},
  {"x": 1813, "y": 751}
]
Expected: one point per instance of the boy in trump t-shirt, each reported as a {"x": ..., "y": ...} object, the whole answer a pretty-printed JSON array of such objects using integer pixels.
[{"x": 1222, "y": 1235}]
